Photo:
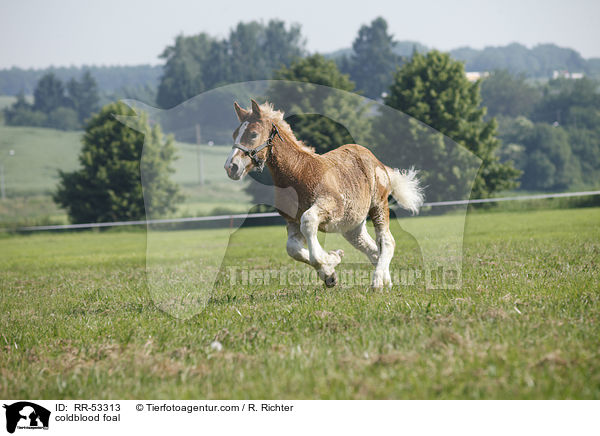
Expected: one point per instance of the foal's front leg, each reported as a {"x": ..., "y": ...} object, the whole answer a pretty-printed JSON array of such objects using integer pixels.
[
  {"x": 321, "y": 260},
  {"x": 295, "y": 243}
]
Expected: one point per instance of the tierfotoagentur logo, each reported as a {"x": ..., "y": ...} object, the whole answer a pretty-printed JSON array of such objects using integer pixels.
[
  {"x": 351, "y": 275},
  {"x": 25, "y": 415}
]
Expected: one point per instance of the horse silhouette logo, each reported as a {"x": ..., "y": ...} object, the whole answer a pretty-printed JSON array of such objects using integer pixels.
[
  {"x": 26, "y": 415},
  {"x": 182, "y": 284}
]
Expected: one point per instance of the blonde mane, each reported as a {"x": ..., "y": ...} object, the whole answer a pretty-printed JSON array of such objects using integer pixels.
[{"x": 276, "y": 117}]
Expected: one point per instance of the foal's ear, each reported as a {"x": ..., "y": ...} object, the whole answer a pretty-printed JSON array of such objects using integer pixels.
[
  {"x": 242, "y": 114},
  {"x": 255, "y": 108}
]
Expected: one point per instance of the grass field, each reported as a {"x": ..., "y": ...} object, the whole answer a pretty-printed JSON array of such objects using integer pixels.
[
  {"x": 31, "y": 175},
  {"x": 77, "y": 320},
  {"x": 6, "y": 101},
  {"x": 39, "y": 154}
]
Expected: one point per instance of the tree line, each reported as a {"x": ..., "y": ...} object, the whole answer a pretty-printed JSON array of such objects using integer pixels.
[
  {"x": 56, "y": 104},
  {"x": 536, "y": 62},
  {"x": 110, "y": 79},
  {"x": 252, "y": 51},
  {"x": 551, "y": 132}
]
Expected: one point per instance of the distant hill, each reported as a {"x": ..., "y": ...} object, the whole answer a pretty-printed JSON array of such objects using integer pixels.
[
  {"x": 402, "y": 48},
  {"x": 537, "y": 62},
  {"x": 405, "y": 48},
  {"x": 109, "y": 78}
]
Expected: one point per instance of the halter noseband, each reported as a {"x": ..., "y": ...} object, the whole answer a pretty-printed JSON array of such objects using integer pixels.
[{"x": 252, "y": 152}]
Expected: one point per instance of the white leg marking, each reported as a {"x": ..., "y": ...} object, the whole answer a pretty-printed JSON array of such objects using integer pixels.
[
  {"x": 386, "y": 242},
  {"x": 295, "y": 244},
  {"x": 322, "y": 261}
]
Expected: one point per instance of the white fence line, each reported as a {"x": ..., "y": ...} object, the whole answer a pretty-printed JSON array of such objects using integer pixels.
[
  {"x": 275, "y": 214},
  {"x": 521, "y": 197}
]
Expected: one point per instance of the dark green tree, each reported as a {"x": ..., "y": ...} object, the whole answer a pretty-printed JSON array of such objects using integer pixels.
[
  {"x": 572, "y": 105},
  {"x": 505, "y": 94},
  {"x": 585, "y": 144},
  {"x": 182, "y": 78},
  {"x": 545, "y": 155},
  {"x": 83, "y": 96},
  {"x": 252, "y": 51},
  {"x": 550, "y": 164},
  {"x": 373, "y": 61},
  {"x": 312, "y": 127},
  {"x": 562, "y": 94},
  {"x": 108, "y": 186},
  {"x": 256, "y": 50},
  {"x": 49, "y": 94},
  {"x": 216, "y": 71},
  {"x": 433, "y": 89}
]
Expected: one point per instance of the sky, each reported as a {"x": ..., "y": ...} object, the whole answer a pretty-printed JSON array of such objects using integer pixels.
[{"x": 40, "y": 33}]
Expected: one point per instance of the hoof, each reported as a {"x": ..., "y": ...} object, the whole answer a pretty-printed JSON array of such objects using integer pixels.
[
  {"x": 381, "y": 280},
  {"x": 331, "y": 280},
  {"x": 377, "y": 284}
]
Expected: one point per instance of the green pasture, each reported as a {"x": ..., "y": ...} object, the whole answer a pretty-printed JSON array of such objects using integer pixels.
[
  {"x": 6, "y": 101},
  {"x": 78, "y": 320},
  {"x": 31, "y": 175}
]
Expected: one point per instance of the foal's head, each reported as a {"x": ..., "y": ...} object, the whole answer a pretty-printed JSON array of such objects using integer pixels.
[{"x": 248, "y": 151}]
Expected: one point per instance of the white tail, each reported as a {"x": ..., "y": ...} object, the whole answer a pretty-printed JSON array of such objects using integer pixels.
[{"x": 406, "y": 188}]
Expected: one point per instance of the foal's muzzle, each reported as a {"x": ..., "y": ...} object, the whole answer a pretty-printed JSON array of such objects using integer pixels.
[
  {"x": 233, "y": 172},
  {"x": 236, "y": 164}
]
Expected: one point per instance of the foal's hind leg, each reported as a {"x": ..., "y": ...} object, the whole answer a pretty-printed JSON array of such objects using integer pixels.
[
  {"x": 380, "y": 215},
  {"x": 321, "y": 260},
  {"x": 361, "y": 240}
]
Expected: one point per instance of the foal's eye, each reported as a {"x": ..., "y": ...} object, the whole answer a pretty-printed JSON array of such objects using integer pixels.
[{"x": 253, "y": 135}]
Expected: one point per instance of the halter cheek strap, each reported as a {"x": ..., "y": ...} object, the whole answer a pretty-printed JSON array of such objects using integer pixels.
[{"x": 252, "y": 152}]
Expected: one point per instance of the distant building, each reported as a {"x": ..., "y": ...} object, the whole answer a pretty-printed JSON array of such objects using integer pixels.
[
  {"x": 564, "y": 74},
  {"x": 474, "y": 76}
]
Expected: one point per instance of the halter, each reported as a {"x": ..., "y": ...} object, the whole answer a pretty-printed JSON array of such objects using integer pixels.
[{"x": 252, "y": 152}]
